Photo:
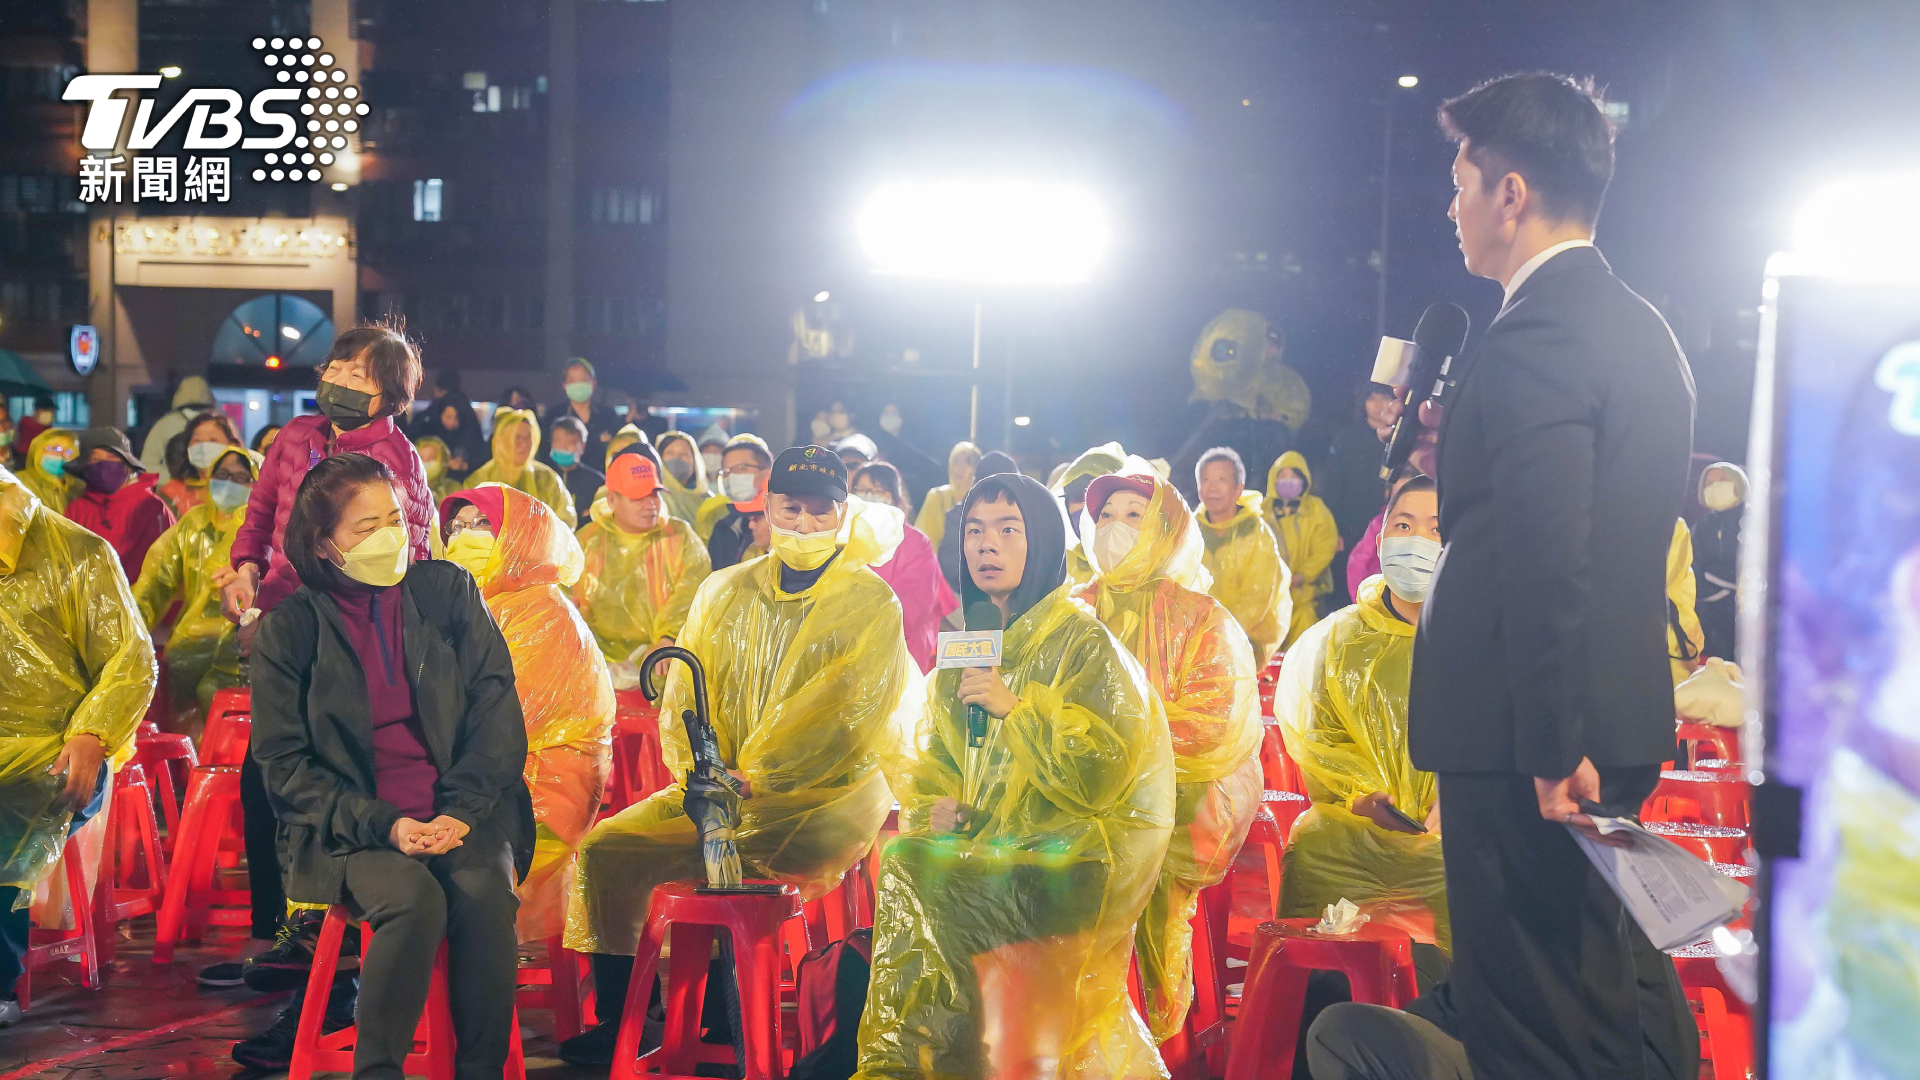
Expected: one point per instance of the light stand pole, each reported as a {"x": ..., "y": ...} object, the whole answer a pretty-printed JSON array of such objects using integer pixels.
[
  {"x": 973, "y": 416},
  {"x": 1406, "y": 82}
]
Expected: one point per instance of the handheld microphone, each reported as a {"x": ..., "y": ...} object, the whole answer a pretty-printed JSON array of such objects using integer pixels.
[
  {"x": 979, "y": 647},
  {"x": 1437, "y": 339}
]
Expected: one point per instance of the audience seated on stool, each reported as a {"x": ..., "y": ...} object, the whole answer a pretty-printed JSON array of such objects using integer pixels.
[{"x": 64, "y": 601}]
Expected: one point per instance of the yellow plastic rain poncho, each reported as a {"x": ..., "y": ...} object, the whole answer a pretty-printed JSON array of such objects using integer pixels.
[
  {"x": 806, "y": 691},
  {"x": 54, "y": 492},
  {"x": 74, "y": 659},
  {"x": 564, "y": 692},
  {"x": 1309, "y": 540},
  {"x": 1098, "y": 461},
  {"x": 202, "y": 654},
  {"x": 1003, "y": 949},
  {"x": 439, "y": 483},
  {"x": 638, "y": 587},
  {"x": 623, "y": 438},
  {"x": 962, "y": 460},
  {"x": 1199, "y": 663},
  {"x": 531, "y": 476},
  {"x": 684, "y": 499},
  {"x": 1249, "y": 577},
  {"x": 1342, "y": 706},
  {"x": 1682, "y": 619}
]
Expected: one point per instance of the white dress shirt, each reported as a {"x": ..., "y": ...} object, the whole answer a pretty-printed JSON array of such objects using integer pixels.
[{"x": 1527, "y": 268}]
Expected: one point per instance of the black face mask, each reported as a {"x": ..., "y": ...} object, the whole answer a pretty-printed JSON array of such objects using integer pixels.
[{"x": 348, "y": 409}]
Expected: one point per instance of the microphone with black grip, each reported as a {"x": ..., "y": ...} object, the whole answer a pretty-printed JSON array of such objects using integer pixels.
[
  {"x": 1438, "y": 338},
  {"x": 981, "y": 615}
]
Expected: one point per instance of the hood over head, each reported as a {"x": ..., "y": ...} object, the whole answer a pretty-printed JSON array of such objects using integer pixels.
[
  {"x": 1170, "y": 545},
  {"x": 531, "y": 546},
  {"x": 697, "y": 484},
  {"x": 505, "y": 423},
  {"x": 1292, "y": 459},
  {"x": 1046, "y": 568},
  {"x": 193, "y": 390}
]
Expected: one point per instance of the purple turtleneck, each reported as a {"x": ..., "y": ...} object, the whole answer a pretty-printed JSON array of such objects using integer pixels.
[{"x": 403, "y": 770}]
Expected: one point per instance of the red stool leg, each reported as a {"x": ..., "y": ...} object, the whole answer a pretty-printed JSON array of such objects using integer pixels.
[
  {"x": 313, "y": 1009},
  {"x": 646, "y": 962},
  {"x": 187, "y": 857},
  {"x": 1270, "y": 1008},
  {"x": 563, "y": 993},
  {"x": 686, "y": 991},
  {"x": 756, "y": 953}
]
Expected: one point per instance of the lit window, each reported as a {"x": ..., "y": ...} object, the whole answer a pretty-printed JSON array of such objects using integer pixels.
[{"x": 426, "y": 200}]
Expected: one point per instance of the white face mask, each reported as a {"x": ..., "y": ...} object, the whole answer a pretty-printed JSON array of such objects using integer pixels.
[
  {"x": 741, "y": 487},
  {"x": 712, "y": 461},
  {"x": 202, "y": 455},
  {"x": 1112, "y": 540},
  {"x": 1407, "y": 563},
  {"x": 1720, "y": 495}
]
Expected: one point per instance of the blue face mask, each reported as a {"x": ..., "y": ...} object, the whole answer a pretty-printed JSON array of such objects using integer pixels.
[
  {"x": 228, "y": 494},
  {"x": 566, "y": 459}
]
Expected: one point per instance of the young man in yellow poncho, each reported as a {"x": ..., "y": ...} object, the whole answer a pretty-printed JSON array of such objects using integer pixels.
[
  {"x": 1149, "y": 590},
  {"x": 1249, "y": 577},
  {"x": 1309, "y": 538},
  {"x": 1071, "y": 489},
  {"x": 807, "y": 671},
  {"x": 516, "y": 437},
  {"x": 76, "y": 674},
  {"x": 644, "y": 566},
  {"x": 1372, "y": 834},
  {"x": 189, "y": 563},
  {"x": 524, "y": 560},
  {"x": 1032, "y": 836}
]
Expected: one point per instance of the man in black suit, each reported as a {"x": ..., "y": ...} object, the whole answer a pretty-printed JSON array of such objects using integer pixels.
[{"x": 1540, "y": 674}]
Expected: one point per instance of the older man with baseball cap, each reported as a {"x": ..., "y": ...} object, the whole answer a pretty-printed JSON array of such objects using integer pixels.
[{"x": 806, "y": 667}]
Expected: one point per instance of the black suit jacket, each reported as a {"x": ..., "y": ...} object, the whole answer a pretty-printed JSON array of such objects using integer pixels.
[{"x": 1563, "y": 465}]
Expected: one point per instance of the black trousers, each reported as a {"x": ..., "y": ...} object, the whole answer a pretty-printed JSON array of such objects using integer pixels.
[
  {"x": 267, "y": 894},
  {"x": 1552, "y": 979},
  {"x": 466, "y": 897}
]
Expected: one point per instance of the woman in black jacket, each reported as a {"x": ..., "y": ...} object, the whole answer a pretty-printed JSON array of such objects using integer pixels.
[{"x": 388, "y": 729}]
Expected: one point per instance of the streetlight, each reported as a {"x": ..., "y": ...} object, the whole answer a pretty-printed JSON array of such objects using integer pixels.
[
  {"x": 984, "y": 232},
  {"x": 1406, "y": 82},
  {"x": 171, "y": 71}
]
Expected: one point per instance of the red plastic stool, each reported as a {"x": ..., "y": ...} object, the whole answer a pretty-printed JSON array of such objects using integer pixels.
[
  {"x": 753, "y": 921},
  {"x": 557, "y": 987},
  {"x": 1193, "y": 1052},
  {"x": 1378, "y": 962},
  {"x": 133, "y": 871},
  {"x": 1707, "y": 741},
  {"x": 1714, "y": 843},
  {"x": 638, "y": 770},
  {"x": 195, "y": 896},
  {"x": 229, "y": 727},
  {"x": 80, "y": 944},
  {"x": 1278, "y": 771},
  {"x": 1702, "y": 798},
  {"x": 1266, "y": 837},
  {"x": 433, "y": 1041},
  {"x": 170, "y": 760}
]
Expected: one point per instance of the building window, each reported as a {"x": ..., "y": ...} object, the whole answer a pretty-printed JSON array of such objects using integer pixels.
[
  {"x": 621, "y": 204},
  {"x": 428, "y": 196}
]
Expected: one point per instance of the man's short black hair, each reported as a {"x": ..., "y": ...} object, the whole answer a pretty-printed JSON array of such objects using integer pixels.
[
  {"x": 569, "y": 423},
  {"x": 1421, "y": 482},
  {"x": 1221, "y": 453},
  {"x": 1551, "y": 129}
]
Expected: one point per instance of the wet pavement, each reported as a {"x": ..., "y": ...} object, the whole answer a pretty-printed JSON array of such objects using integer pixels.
[{"x": 150, "y": 1022}]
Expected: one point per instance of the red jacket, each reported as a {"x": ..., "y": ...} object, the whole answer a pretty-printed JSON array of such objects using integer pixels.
[
  {"x": 130, "y": 519},
  {"x": 301, "y": 445}
]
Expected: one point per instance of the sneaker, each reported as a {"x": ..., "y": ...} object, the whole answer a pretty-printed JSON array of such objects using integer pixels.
[
  {"x": 593, "y": 1048},
  {"x": 10, "y": 1012},
  {"x": 285, "y": 965},
  {"x": 222, "y": 975},
  {"x": 272, "y": 1049}
]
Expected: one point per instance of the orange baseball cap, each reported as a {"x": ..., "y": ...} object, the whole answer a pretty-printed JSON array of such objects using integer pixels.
[{"x": 632, "y": 475}]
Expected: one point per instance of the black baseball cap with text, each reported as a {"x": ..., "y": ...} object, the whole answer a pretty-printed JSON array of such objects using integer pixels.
[{"x": 808, "y": 470}]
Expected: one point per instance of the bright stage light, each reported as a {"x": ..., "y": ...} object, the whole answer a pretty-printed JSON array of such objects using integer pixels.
[
  {"x": 1408, "y": 82},
  {"x": 998, "y": 232},
  {"x": 822, "y": 296},
  {"x": 1022, "y": 421},
  {"x": 1865, "y": 227}
]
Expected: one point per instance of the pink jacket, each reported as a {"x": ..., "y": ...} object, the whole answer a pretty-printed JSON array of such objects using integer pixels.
[
  {"x": 925, "y": 598},
  {"x": 1364, "y": 560},
  {"x": 301, "y": 445}
]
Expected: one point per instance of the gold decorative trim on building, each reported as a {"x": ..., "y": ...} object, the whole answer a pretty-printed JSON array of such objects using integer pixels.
[{"x": 227, "y": 238}]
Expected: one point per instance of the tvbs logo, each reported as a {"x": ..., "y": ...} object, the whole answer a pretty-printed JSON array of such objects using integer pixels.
[{"x": 302, "y": 126}]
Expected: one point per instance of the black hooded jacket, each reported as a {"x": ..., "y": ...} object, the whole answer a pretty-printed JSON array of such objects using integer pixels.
[{"x": 1046, "y": 568}]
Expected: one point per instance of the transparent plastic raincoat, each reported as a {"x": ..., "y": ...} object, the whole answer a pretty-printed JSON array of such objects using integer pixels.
[
  {"x": 54, "y": 492},
  {"x": 1200, "y": 665},
  {"x": 1309, "y": 539},
  {"x": 531, "y": 476},
  {"x": 625, "y": 437},
  {"x": 1249, "y": 577},
  {"x": 74, "y": 659},
  {"x": 807, "y": 692},
  {"x": 1342, "y": 706},
  {"x": 637, "y": 587},
  {"x": 1684, "y": 636},
  {"x": 443, "y": 484},
  {"x": 1098, "y": 461},
  {"x": 202, "y": 655},
  {"x": 684, "y": 499},
  {"x": 564, "y": 690},
  {"x": 1004, "y": 947}
]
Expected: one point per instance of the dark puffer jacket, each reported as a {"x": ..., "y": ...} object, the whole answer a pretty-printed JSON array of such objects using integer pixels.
[{"x": 313, "y": 736}]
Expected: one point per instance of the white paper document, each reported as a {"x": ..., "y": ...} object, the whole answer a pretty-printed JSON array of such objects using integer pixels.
[{"x": 1675, "y": 897}]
